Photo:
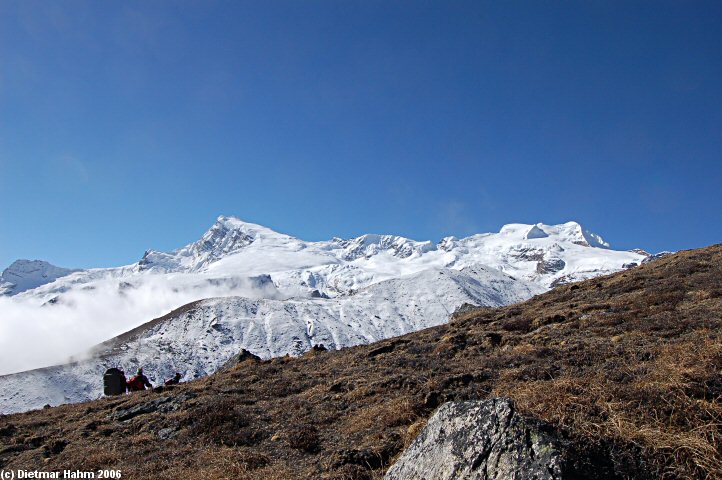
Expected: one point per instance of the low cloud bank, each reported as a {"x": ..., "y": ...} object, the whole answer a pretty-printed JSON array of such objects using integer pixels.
[{"x": 34, "y": 333}]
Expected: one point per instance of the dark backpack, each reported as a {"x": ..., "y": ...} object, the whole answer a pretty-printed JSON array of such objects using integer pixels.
[{"x": 114, "y": 382}]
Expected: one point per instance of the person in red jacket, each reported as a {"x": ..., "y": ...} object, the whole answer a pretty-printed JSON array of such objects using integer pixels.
[{"x": 138, "y": 382}]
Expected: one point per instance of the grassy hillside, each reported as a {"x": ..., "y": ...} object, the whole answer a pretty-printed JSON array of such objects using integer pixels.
[{"x": 626, "y": 367}]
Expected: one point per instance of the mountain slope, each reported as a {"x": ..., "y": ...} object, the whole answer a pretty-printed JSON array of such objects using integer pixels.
[
  {"x": 624, "y": 367},
  {"x": 198, "y": 338}
]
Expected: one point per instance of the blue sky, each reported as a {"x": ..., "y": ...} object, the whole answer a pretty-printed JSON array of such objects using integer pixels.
[{"x": 132, "y": 125}]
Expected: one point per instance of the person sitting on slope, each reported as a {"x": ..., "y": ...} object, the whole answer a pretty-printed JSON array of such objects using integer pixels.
[{"x": 139, "y": 382}]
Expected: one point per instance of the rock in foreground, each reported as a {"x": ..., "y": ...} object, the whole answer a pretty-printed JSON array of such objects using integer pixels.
[{"x": 479, "y": 440}]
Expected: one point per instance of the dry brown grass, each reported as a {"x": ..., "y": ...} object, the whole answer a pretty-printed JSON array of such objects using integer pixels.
[
  {"x": 627, "y": 368},
  {"x": 386, "y": 414}
]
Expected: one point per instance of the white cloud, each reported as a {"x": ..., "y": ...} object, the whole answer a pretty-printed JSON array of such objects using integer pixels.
[{"x": 33, "y": 335}]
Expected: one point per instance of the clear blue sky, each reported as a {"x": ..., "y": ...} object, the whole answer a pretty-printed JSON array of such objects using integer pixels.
[{"x": 132, "y": 125}]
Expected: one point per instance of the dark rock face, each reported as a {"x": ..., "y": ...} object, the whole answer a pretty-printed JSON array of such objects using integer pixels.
[
  {"x": 480, "y": 440},
  {"x": 552, "y": 265}
]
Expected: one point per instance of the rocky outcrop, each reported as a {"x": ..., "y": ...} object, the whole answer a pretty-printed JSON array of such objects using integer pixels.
[
  {"x": 655, "y": 257},
  {"x": 551, "y": 265},
  {"x": 480, "y": 440},
  {"x": 465, "y": 308},
  {"x": 239, "y": 358},
  {"x": 162, "y": 404}
]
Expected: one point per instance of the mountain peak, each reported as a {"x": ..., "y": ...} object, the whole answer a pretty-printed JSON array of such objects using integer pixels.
[
  {"x": 581, "y": 236},
  {"x": 570, "y": 231},
  {"x": 226, "y": 236},
  {"x": 235, "y": 223},
  {"x": 24, "y": 275}
]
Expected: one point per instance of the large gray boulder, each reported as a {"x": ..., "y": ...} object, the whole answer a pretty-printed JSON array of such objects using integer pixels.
[{"x": 480, "y": 440}]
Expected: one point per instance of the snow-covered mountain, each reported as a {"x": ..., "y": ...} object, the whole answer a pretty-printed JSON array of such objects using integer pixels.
[
  {"x": 274, "y": 294},
  {"x": 25, "y": 275},
  {"x": 198, "y": 338},
  {"x": 543, "y": 254}
]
